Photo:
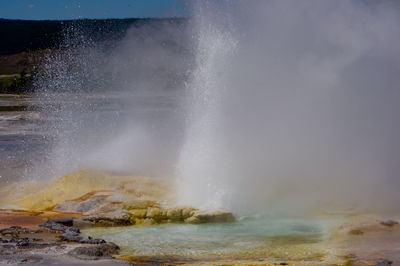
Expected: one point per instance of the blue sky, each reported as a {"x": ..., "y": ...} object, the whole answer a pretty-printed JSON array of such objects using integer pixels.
[{"x": 74, "y": 9}]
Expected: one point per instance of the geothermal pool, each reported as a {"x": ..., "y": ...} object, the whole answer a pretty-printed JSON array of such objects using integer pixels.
[{"x": 250, "y": 238}]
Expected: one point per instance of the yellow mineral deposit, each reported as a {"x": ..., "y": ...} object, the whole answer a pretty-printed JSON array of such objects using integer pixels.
[{"x": 39, "y": 196}]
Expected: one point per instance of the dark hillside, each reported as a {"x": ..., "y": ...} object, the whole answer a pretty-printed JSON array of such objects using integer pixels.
[
  {"x": 27, "y": 35},
  {"x": 24, "y": 43}
]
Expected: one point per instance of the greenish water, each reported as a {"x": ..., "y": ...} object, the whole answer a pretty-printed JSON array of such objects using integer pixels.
[{"x": 183, "y": 240}]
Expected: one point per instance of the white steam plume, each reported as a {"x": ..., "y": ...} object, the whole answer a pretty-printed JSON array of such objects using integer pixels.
[{"x": 293, "y": 105}]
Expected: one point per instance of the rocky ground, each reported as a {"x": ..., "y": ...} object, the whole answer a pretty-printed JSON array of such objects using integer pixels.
[
  {"x": 54, "y": 242},
  {"x": 59, "y": 241},
  {"x": 101, "y": 199},
  {"x": 368, "y": 240},
  {"x": 47, "y": 228}
]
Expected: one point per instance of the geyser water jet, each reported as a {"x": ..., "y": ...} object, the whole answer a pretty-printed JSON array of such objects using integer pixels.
[
  {"x": 293, "y": 105},
  {"x": 201, "y": 164}
]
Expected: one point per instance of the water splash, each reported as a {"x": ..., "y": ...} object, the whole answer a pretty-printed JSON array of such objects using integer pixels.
[
  {"x": 201, "y": 174},
  {"x": 112, "y": 104}
]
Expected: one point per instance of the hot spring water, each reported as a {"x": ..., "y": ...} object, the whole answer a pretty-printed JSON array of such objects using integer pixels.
[{"x": 250, "y": 238}]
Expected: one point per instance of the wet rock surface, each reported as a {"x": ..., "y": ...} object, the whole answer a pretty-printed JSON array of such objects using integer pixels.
[
  {"x": 379, "y": 262},
  {"x": 210, "y": 216},
  {"x": 103, "y": 250},
  {"x": 16, "y": 236},
  {"x": 389, "y": 223},
  {"x": 103, "y": 209},
  {"x": 370, "y": 241},
  {"x": 384, "y": 263},
  {"x": 106, "y": 199},
  {"x": 61, "y": 238},
  {"x": 69, "y": 234},
  {"x": 53, "y": 243},
  {"x": 112, "y": 219}
]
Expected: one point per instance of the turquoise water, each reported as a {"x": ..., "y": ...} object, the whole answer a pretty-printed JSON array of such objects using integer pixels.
[{"x": 213, "y": 239}]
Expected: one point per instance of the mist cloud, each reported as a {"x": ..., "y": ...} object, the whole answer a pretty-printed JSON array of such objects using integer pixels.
[
  {"x": 300, "y": 106},
  {"x": 254, "y": 106}
]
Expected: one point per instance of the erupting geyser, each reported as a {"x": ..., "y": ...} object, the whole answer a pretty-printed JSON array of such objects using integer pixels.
[
  {"x": 270, "y": 106},
  {"x": 252, "y": 132}
]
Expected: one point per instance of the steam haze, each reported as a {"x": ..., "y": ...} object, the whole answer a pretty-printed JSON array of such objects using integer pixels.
[
  {"x": 114, "y": 105},
  {"x": 295, "y": 106},
  {"x": 275, "y": 106}
]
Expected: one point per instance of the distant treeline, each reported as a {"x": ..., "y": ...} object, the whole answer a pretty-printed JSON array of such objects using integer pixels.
[
  {"x": 24, "y": 43},
  {"x": 27, "y": 35}
]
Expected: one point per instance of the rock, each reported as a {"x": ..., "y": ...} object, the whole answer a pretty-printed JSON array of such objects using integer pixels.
[
  {"x": 104, "y": 250},
  {"x": 70, "y": 234},
  {"x": 23, "y": 243},
  {"x": 210, "y": 216},
  {"x": 115, "y": 218},
  {"x": 179, "y": 214},
  {"x": 54, "y": 226},
  {"x": 90, "y": 204},
  {"x": 29, "y": 244},
  {"x": 58, "y": 224},
  {"x": 188, "y": 212},
  {"x": 174, "y": 214},
  {"x": 73, "y": 230},
  {"x": 11, "y": 228},
  {"x": 109, "y": 207},
  {"x": 65, "y": 221},
  {"x": 118, "y": 217},
  {"x": 82, "y": 223},
  {"x": 389, "y": 223},
  {"x": 148, "y": 221},
  {"x": 156, "y": 214},
  {"x": 89, "y": 240},
  {"x": 12, "y": 231},
  {"x": 71, "y": 237},
  {"x": 67, "y": 206},
  {"x": 48, "y": 250},
  {"x": 74, "y": 235},
  {"x": 138, "y": 213},
  {"x": 139, "y": 204},
  {"x": 356, "y": 232},
  {"x": 137, "y": 221},
  {"x": 31, "y": 260},
  {"x": 384, "y": 263}
]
